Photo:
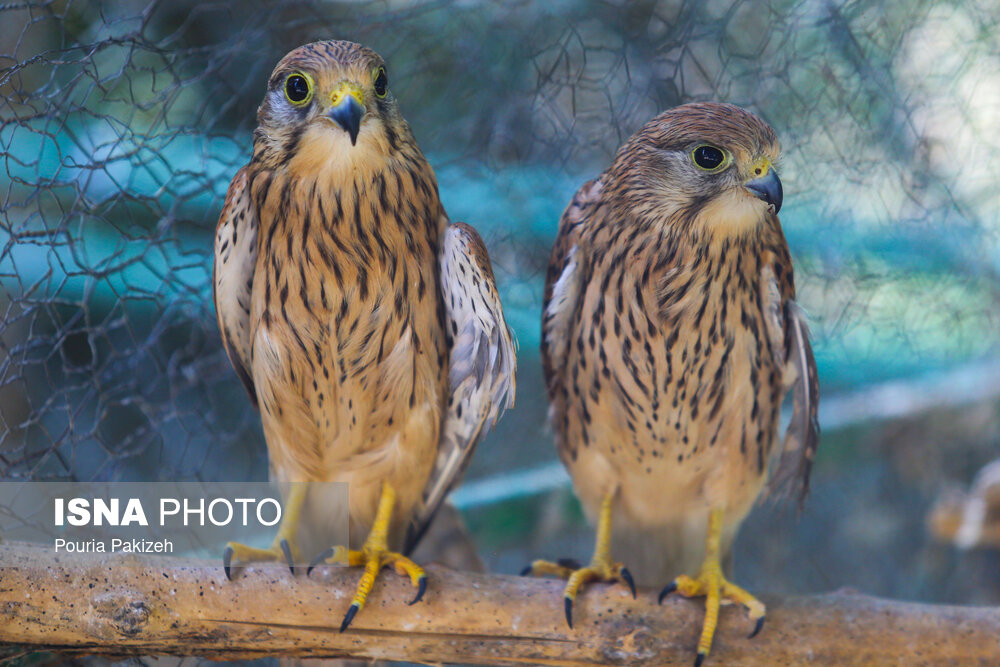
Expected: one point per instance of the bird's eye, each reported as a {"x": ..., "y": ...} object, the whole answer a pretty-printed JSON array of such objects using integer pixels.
[
  {"x": 298, "y": 88},
  {"x": 708, "y": 157},
  {"x": 381, "y": 82}
]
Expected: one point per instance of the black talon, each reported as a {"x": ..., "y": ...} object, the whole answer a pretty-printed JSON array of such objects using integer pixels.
[
  {"x": 568, "y": 605},
  {"x": 667, "y": 590},
  {"x": 700, "y": 659},
  {"x": 227, "y": 560},
  {"x": 287, "y": 550},
  {"x": 349, "y": 616},
  {"x": 526, "y": 571},
  {"x": 421, "y": 589},
  {"x": 756, "y": 629},
  {"x": 627, "y": 576},
  {"x": 319, "y": 559}
]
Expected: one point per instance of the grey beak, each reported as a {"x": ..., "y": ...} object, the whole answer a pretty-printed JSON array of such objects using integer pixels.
[
  {"x": 348, "y": 116},
  {"x": 768, "y": 188}
]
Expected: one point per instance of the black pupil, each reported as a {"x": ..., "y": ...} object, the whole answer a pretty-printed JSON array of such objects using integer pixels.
[
  {"x": 380, "y": 83},
  {"x": 708, "y": 157},
  {"x": 297, "y": 88}
]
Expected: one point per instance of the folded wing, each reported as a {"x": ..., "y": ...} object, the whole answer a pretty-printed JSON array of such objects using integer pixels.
[
  {"x": 482, "y": 362},
  {"x": 791, "y": 472},
  {"x": 232, "y": 280}
]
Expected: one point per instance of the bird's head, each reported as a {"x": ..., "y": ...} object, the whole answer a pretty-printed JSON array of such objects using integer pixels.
[
  {"x": 328, "y": 103},
  {"x": 704, "y": 163}
]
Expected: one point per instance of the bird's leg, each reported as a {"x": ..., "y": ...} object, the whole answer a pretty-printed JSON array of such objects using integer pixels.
[
  {"x": 601, "y": 567},
  {"x": 282, "y": 549},
  {"x": 373, "y": 556},
  {"x": 713, "y": 585}
]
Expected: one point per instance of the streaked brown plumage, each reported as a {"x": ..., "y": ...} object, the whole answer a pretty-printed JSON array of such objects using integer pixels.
[
  {"x": 670, "y": 336},
  {"x": 365, "y": 326}
]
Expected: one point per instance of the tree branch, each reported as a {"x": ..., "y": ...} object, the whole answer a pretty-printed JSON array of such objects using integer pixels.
[{"x": 123, "y": 605}]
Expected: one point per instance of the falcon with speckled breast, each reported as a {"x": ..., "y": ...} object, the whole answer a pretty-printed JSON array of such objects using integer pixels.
[
  {"x": 670, "y": 337},
  {"x": 366, "y": 327}
]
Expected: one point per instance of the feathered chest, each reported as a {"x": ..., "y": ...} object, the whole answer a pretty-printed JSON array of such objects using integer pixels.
[
  {"x": 679, "y": 346},
  {"x": 720, "y": 350},
  {"x": 332, "y": 244},
  {"x": 347, "y": 273}
]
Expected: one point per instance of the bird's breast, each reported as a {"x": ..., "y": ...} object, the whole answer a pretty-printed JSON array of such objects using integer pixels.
[
  {"x": 347, "y": 339},
  {"x": 675, "y": 387}
]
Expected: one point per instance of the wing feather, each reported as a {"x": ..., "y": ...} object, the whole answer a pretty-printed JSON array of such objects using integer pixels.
[
  {"x": 567, "y": 266},
  {"x": 235, "y": 259},
  {"x": 791, "y": 472},
  {"x": 481, "y": 364}
]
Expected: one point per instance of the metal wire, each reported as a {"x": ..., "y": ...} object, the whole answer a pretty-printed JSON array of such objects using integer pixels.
[{"x": 121, "y": 124}]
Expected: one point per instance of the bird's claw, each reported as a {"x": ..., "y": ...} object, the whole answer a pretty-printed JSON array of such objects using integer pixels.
[
  {"x": 286, "y": 549},
  {"x": 349, "y": 616},
  {"x": 627, "y": 578},
  {"x": 577, "y": 577},
  {"x": 714, "y": 586},
  {"x": 562, "y": 568},
  {"x": 667, "y": 590},
  {"x": 421, "y": 589},
  {"x": 227, "y": 561},
  {"x": 373, "y": 560},
  {"x": 322, "y": 557},
  {"x": 281, "y": 550}
]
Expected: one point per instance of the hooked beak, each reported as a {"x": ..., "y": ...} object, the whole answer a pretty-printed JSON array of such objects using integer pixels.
[
  {"x": 347, "y": 110},
  {"x": 767, "y": 188}
]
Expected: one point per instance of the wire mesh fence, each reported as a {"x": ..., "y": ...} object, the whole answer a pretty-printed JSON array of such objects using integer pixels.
[{"x": 121, "y": 124}]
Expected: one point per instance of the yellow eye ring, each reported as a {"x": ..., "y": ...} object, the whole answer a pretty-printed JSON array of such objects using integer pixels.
[
  {"x": 709, "y": 158},
  {"x": 299, "y": 88},
  {"x": 380, "y": 82}
]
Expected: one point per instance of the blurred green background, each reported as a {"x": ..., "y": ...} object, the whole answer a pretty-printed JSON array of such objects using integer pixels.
[{"x": 121, "y": 124}]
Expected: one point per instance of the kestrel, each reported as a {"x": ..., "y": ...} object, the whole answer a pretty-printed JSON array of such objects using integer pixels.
[
  {"x": 366, "y": 328},
  {"x": 670, "y": 336}
]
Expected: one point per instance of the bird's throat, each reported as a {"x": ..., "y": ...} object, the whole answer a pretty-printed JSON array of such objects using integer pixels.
[
  {"x": 734, "y": 214},
  {"x": 325, "y": 153}
]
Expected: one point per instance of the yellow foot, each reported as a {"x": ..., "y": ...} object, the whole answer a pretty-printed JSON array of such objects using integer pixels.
[
  {"x": 577, "y": 577},
  {"x": 711, "y": 584},
  {"x": 241, "y": 554},
  {"x": 373, "y": 560}
]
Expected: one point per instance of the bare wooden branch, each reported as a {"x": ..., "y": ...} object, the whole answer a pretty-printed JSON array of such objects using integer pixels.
[{"x": 118, "y": 605}]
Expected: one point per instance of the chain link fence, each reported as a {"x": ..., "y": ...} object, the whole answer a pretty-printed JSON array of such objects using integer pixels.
[{"x": 121, "y": 124}]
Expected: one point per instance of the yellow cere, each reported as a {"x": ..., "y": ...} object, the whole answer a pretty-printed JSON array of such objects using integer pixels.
[
  {"x": 344, "y": 89},
  {"x": 760, "y": 167}
]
